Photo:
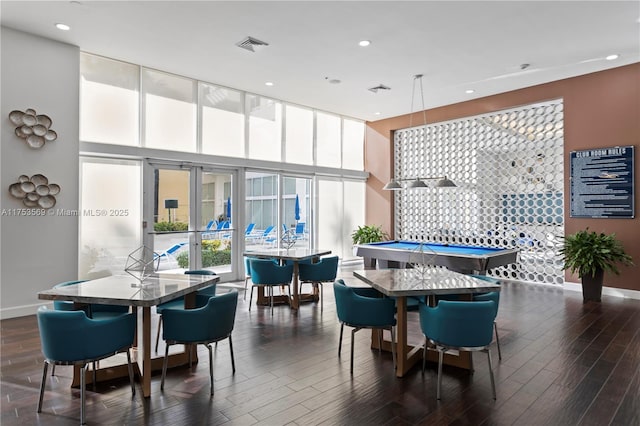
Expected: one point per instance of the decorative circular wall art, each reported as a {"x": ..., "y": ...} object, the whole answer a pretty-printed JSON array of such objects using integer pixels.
[
  {"x": 34, "y": 129},
  {"x": 35, "y": 191}
]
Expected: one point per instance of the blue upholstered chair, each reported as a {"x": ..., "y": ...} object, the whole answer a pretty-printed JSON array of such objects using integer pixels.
[
  {"x": 211, "y": 322},
  {"x": 317, "y": 273},
  {"x": 363, "y": 308},
  {"x": 179, "y": 302},
  {"x": 71, "y": 338},
  {"x": 94, "y": 310},
  {"x": 267, "y": 273},
  {"x": 493, "y": 296},
  {"x": 458, "y": 325}
]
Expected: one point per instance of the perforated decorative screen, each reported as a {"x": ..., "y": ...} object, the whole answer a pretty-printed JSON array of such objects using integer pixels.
[{"x": 508, "y": 167}]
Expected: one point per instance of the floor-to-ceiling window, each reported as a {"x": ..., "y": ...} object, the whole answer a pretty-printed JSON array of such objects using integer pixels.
[
  {"x": 202, "y": 127},
  {"x": 110, "y": 215}
]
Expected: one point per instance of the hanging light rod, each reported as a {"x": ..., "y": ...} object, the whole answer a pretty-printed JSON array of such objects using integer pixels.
[{"x": 419, "y": 182}]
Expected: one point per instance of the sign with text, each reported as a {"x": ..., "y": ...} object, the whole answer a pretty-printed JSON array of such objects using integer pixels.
[{"x": 602, "y": 183}]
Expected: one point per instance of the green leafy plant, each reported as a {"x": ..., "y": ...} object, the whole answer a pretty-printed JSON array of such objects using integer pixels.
[
  {"x": 587, "y": 251},
  {"x": 368, "y": 234},
  {"x": 170, "y": 226}
]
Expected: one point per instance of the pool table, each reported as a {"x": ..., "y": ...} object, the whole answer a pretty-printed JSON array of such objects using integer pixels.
[{"x": 459, "y": 258}]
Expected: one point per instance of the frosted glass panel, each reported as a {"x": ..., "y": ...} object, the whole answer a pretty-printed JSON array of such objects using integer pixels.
[
  {"x": 222, "y": 121},
  {"x": 170, "y": 111},
  {"x": 299, "y": 135},
  {"x": 328, "y": 140},
  {"x": 330, "y": 205},
  {"x": 265, "y": 128},
  {"x": 109, "y": 93},
  {"x": 353, "y": 144},
  {"x": 353, "y": 214},
  {"x": 111, "y": 206}
]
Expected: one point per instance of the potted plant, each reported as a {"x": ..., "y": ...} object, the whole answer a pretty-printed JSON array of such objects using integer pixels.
[
  {"x": 590, "y": 254},
  {"x": 368, "y": 234}
]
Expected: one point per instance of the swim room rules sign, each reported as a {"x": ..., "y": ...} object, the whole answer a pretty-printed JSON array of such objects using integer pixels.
[{"x": 602, "y": 183}]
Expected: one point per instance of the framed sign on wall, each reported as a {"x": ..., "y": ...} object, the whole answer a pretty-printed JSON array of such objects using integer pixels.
[{"x": 602, "y": 183}]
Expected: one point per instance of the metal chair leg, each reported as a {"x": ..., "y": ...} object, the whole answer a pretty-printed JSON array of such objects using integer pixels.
[
  {"x": 353, "y": 343},
  {"x": 393, "y": 349},
  {"x": 246, "y": 280},
  {"x": 93, "y": 366},
  {"x": 233, "y": 361},
  {"x": 53, "y": 370},
  {"x": 495, "y": 327},
  {"x": 340, "y": 342},
  {"x": 158, "y": 334},
  {"x": 164, "y": 366},
  {"x": 271, "y": 288},
  {"x": 130, "y": 367},
  {"x": 424, "y": 355},
  {"x": 440, "y": 359},
  {"x": 83, "y": 381},
  {"x": 42, "y": 385},
  {"x": 251, "y": 298},
  {"x": 493, "y": 384},
  {"x": 321, "y": 297},
  {"x": 210, "y": 366}
]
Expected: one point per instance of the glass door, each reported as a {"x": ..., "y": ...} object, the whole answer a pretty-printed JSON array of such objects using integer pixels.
[
  {"x": 296, "y": 210},
  {"x": 191, "y": 212}
]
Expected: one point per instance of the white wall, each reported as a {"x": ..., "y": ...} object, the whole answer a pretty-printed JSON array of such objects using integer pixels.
[{"x": 37, "y": 252}]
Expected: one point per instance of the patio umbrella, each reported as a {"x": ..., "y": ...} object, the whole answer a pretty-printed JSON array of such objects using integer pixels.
[
  {"x": 229, "y": 208},
  {"x": 297, "y": 208}
]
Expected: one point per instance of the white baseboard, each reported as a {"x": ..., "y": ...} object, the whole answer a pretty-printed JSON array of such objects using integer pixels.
[
  {"x": 607, "y": 291},
  {"x": 22, "y": 311}
]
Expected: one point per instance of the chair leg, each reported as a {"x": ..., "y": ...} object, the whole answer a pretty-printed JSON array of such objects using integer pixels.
[
  {"x": 493, "y": 384},
  {"x": 440, "y": 359},
  {"x": 233, "y": 361},
  {"x": 210, "y": 366},
  {"x": 471, "y": 367},
  {"x": 271, "y": 292},
  {"x": 246, "y": 280},
  {"x": 93, "y": 367},
  {"x": 340, "y": 342},
  {"x": 393, "y": 348},
  {"x": 42, "y": 385},
  {"x": 53, "y": 370},
  {"x": 321, "y": 297},
  {"x": 83, "y": 382},
  {"x": 164, "y": 366},
  {"x": 251, "y": 298},
  {"x": 130, "y": 367},
  {"x": 158, "y": 334},
  {"x": 424, "y": 355},
  {"x": 495, "y": 327},
  {"x": 379, "y": 333},
  {"x": 353, "y": 342}
]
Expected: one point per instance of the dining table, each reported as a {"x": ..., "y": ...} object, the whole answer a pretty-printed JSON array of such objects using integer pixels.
[
  {"x": 429, "y": 282},
  {"x": 126, "y": 290},
  {"x": 295, "y": 255}
]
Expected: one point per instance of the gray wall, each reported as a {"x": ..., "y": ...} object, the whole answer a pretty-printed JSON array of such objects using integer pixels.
[{"x": 38, "y": 252}]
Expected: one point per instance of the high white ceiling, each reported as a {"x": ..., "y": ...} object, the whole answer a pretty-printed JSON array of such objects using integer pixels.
[{"x": 457, "y": 45}]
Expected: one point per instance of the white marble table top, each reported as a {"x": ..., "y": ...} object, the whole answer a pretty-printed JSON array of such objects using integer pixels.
[
  {"x": 424, "y": 281},
  {"x": 126, "y": 290},
  {"x": 287, "y": 254}
]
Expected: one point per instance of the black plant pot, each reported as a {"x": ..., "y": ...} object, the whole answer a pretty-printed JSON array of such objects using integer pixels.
[{"x": 592, "y": 286}]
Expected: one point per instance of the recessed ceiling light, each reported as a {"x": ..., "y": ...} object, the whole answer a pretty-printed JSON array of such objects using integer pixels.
[
  {"x": 364, "y": 43},
  {"x": 612, "y": 57},
  {"x": 269, "y": 83},
  {"x": 63, "y": 27},
  {"x": 469, "y": 91},
  {"x": 376, "y": 113}
]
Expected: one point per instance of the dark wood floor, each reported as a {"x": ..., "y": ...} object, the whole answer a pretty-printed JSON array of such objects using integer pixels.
[{"x": 564, "y": 363}]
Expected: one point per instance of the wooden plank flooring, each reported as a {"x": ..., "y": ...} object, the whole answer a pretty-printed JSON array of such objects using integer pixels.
[{"x": 564, "y": 363}]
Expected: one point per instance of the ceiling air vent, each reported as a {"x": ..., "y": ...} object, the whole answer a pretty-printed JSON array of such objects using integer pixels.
[
  {"x": 250, "y": 43},
  {"x": 379, "y": 87}
]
